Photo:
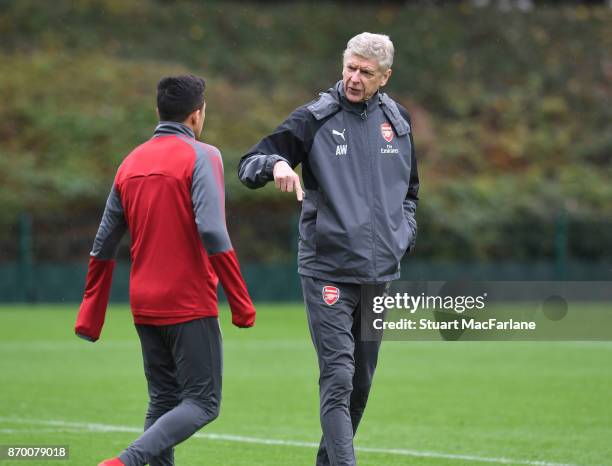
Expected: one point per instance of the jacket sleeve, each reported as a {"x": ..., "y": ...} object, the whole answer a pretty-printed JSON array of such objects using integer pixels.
[
  {"x": 411, "y": 200},
  {"x": 92, "y": 311},
  {"x": 288, "y": 142},
  {"x": 412, "y": 197},
  {"x": 208, "y": 197}
]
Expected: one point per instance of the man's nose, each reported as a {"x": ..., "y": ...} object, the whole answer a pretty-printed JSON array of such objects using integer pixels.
[{"x": 355, "y": 76}]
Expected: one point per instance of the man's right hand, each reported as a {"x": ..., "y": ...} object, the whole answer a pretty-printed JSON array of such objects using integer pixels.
[{"x": 287, "y": 180}]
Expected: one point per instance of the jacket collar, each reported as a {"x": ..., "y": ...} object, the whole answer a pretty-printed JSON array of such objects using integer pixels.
[
  {"x": 165, "y": 128},
  {"x": 360, "y": 107},
  {"x": 333, "y": 100}
]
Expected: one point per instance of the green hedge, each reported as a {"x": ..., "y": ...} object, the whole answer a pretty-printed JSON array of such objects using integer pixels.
[{"x": 511, "y": 110}]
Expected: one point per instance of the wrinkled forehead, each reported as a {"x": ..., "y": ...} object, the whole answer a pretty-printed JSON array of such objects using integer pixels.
[{"x": 361, "y": 62}]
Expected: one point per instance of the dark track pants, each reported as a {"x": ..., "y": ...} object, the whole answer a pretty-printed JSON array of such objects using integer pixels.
[
  {"x": 183, "y": 366},
  {"x": 346, "y": 364}
]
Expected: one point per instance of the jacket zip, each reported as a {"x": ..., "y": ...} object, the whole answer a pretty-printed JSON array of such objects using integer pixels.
[{"x": 364, "y": 116}]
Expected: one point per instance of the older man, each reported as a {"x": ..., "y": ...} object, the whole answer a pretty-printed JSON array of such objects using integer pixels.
[{"x": 358, "y": 220}]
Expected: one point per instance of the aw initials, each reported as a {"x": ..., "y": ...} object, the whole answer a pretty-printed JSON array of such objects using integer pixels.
[{"x": 341, "y": 149}]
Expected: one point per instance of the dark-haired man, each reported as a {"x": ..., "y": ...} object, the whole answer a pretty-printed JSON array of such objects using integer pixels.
[
  {"x": 358, "y": 219},
  {"x": 169, "y": 193}
]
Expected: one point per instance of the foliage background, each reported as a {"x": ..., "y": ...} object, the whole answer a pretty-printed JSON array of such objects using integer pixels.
[{"x": 512, "y": 113}]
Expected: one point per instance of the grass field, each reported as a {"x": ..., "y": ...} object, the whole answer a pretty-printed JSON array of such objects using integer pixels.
[{"x": 433, "y": 403}]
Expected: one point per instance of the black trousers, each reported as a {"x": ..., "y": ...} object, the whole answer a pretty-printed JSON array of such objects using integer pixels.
[
  {"x": 183, "y": 365},
  {"x": 347, "y": 362}
]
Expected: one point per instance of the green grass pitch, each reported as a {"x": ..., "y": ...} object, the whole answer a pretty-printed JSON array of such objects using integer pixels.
[{"x": 432, "y": 403}]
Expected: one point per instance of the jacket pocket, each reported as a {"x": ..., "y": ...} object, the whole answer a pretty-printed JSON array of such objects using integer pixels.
[
  {"x": 341, "y": 240},
  {"x": 330, "y": 237},
  {"x": 308, "y": 217},
  {"x": 401, "y": 237}
]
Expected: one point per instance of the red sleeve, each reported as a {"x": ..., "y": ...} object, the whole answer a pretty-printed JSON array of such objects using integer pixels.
[
  {"x": 228, "y": 270},
  {"x": 97, "y": 291}
]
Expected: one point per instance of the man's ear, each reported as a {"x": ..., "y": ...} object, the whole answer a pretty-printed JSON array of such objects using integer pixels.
[
  {"x": 157, "y": 113},
  {"x": 386, "y": 76},
  {"x": 195, "y": 117}
]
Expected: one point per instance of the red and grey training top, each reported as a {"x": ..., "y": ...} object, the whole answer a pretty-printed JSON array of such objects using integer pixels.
[{"x": 169, "y": 193}]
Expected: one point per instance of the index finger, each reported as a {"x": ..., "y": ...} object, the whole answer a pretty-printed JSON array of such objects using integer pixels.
[{"x": 298, "y": 190}]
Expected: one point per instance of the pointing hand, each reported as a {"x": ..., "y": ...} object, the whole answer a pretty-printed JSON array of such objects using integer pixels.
[{"x": 287, "y": 180}]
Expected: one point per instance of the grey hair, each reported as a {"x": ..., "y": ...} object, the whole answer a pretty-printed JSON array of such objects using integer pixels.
[{"x": 372, "y": 46}]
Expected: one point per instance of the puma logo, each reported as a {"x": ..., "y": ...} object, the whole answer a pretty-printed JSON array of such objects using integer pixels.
[{"x": 338, "y": 133}]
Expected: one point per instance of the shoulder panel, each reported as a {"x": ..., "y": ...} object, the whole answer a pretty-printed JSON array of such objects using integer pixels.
[{"x": 402, "y": 127}]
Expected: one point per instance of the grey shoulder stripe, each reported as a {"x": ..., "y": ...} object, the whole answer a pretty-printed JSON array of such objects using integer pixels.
[
  {"x": 208, "y": 198},
  {"x": 111, "y": 229}
]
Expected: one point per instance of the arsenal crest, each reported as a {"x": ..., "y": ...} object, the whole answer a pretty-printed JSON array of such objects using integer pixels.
[
  {"x": 331, "y": 294},
  {"x": 387, "y": 132}
]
